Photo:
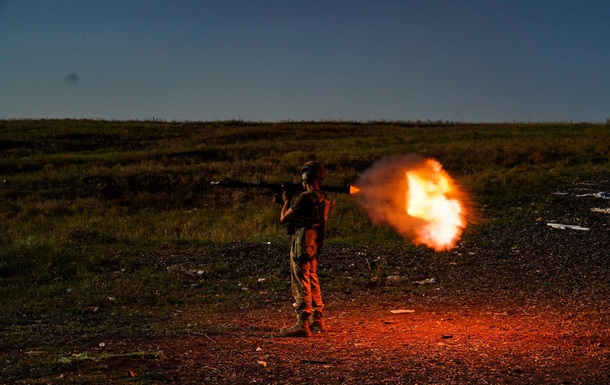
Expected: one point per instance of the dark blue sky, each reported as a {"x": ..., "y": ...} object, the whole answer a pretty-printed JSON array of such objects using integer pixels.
[{"x": 472, "y": 61}]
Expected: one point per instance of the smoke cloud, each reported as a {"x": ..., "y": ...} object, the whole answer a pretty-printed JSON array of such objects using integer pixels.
[
  {"x": 417, "y": 198},
  {"x": 382, "y": 193}
]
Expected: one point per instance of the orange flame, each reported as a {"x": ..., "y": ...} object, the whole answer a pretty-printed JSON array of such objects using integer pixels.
[
  {"x": 431, "y": 196},
  {"x": 417, "y": 198}
]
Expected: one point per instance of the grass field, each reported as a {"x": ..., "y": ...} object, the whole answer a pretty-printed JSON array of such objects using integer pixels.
[{"x": 110, "y": 230}]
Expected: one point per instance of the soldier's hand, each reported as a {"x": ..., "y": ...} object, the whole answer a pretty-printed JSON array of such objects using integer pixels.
[
  {"x": 286, "y": 196},
  {"x": 277, "y": 198}
]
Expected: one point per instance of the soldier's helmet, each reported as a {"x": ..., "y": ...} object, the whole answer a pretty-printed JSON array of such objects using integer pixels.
[{"x": 313, "y": 170}]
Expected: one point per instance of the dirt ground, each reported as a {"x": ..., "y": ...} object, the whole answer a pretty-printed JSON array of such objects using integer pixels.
[
  {"x": 521, "y": 304},
  {"x": 434, "y": 344}
]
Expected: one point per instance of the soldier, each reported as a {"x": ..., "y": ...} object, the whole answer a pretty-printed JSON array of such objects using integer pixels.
[{"x": 306, "y": 218}]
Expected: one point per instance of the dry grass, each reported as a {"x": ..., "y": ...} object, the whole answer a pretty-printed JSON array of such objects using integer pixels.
[{"x": 97, "y": 216}]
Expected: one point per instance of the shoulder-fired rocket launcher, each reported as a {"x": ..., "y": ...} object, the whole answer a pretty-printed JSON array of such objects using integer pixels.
[{"x": 278, "y": 188}]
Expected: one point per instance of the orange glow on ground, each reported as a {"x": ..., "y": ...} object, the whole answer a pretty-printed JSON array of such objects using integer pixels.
[{"x": 449, "y": 344}]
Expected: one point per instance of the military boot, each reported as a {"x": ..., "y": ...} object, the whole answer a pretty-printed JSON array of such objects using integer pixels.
[
  {"x": 318, "y": 323},
  {"x": 301, "y": 329}
]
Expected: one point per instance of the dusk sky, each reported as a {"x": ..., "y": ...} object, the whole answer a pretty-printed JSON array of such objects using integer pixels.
[{"x": 263, "y": 60}]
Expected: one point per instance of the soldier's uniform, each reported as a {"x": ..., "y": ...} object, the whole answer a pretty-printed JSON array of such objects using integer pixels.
[{"x": 311, "y": 210}]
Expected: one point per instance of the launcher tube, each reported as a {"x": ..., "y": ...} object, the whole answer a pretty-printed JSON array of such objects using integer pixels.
[{"x": 277, "y": 187}]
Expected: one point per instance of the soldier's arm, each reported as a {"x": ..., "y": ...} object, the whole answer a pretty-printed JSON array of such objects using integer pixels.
[{"x": 287, "y": 213}]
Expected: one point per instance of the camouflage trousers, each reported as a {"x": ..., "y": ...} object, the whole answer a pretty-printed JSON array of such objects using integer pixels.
[{"x": 304, "y": 273}]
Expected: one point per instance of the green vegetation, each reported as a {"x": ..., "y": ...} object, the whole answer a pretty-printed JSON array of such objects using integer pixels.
[{"x": 92, "y": 210}]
